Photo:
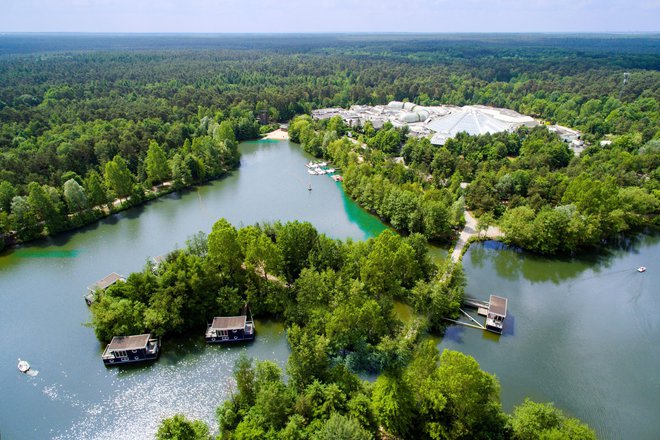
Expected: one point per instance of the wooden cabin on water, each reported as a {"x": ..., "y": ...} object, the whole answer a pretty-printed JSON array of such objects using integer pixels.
[
  {"x": 102, "y": 285},
  {"x": 230, "y": 329},
  {"x": 496, "y": 314},
  {"x": 131, "y": 349}
]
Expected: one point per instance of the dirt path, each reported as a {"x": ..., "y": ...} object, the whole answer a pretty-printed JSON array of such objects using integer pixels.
[{"x": 470, "y": 230}]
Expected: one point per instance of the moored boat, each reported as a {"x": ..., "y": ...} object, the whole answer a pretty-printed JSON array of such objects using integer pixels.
[
  {"x": 229, "y": 329},
  {"x": 102, "y": 285},
  {"x": 131, "y": 349}
]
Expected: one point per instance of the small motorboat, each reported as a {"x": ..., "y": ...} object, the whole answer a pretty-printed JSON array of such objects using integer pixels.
[
  {"x": 310, "y": 187},
  {"x": 312, "y": 172},
  {"x": 641, "y": 269},
  {"x": 23, "y": 366}
]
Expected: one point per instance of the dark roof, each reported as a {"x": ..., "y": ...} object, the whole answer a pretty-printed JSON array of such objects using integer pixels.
[
  {"x": 106, "y": 282},
  {"x": 497, "y": 305},
  {"x": 129, "y": 342},
  {"x": 229, "y": 322}
]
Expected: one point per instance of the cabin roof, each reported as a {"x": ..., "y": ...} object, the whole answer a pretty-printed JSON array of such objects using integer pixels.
[
  {"x": 229, "y": 322},
  {"x": 498, "y": 305},
  {"x": 129, "y": 342},
  {"x": 106, "y": 282}
]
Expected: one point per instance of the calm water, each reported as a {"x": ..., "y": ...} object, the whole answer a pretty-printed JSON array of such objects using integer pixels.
[
  {"x": 582, "y": 333},
  {"x": 42, "y": 311}
]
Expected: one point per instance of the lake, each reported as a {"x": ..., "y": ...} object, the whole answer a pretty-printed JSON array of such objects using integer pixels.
[{"x": 582, "y": 332}]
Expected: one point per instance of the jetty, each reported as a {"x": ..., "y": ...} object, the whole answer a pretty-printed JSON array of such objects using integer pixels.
[{"x": 494, "y": 310}]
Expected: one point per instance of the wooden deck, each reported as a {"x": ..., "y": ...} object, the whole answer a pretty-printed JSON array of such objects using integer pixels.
[{"x": 496, "y": 305}]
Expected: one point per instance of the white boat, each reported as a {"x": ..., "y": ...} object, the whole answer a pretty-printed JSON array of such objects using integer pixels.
[
  {"x": 23, "y": 366},
  {"x": 330, "y": 170},
  {"x": 641, "y": 269},
  {"x": 312, "y": 172},
  {"x": 322, "y": 164}
]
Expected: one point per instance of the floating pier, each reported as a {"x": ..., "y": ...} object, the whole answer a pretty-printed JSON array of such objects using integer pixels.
[{"x": 494, "y": 310}]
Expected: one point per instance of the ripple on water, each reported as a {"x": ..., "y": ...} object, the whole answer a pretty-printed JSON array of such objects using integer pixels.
[{"x": 137, "y": 403}]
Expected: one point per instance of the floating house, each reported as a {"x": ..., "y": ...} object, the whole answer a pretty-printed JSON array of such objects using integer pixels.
[
  {"x": 230, "y": 329},
  {"x": 102, "y": 285},
  {"x": 496, "y": 313},
  {"x": 131, "y": 349}
]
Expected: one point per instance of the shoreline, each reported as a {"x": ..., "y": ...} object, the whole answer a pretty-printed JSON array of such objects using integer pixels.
[{"x": 277, "y": 135}]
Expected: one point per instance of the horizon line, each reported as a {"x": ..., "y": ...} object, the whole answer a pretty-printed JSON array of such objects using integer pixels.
[{"x": 192, "y": 33}]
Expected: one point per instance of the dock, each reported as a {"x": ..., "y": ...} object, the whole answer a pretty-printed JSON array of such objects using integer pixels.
[{"x": 494, "y": 310}]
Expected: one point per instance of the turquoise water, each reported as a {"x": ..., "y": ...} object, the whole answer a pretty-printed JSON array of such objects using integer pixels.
[
  {"x": 42, "y": 311},
  {"x": 581, "y": 332}
]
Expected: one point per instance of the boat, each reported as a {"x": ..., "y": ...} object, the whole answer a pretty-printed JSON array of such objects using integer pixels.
[
  {"x": 310, "y": 187},
  {"x": 312, "y": 172},
  {"x": 641, "y": 269},
  {"x": 101, "y": 286},
  {"x": 131, "y": 349},
  {"x": 496, "y": 313},
  {"x": 23, "y": 366},
  {"x": 230, "y": 329},
  {"x": 330, "y": 170}
]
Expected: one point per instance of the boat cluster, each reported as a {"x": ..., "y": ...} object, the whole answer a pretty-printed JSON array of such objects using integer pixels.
[{"x": 319, "y": 168}]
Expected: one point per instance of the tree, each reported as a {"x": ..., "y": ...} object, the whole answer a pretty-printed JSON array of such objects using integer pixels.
[
  {"x": 224, "y": 249},
  {"x": 118, "y": 177},
  {"x": 97, "y": 194},
  {"x": 178, "y": 427},
  {"x": 473, "y": 402},
  {"x": 295, "y": 240},
  {"x": 532, "y": 421},
  {"x": 45, "y": 208},
  {"x": 7, "y": 193},
  {"x": 309, "y": 357},
  {"x": 484, "y": 223},
  {"x": 394, "y": 405},
  {"x": 75, "y": 197},
  {"x": 339, "y": 427},
  {"x": 158, "y": 170},
  {"x": 225, "y": 132},
  {"x": 24, "y": 219}
]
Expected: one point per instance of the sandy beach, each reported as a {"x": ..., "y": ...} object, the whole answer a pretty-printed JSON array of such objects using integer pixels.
[{"x": 278, "y": 135}]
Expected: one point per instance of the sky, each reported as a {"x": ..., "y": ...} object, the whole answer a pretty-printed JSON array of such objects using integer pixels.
[{"x": 286, "y": 16}]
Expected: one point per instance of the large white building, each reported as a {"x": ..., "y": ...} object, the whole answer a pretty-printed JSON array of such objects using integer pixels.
[{"x": 440, "y": 122}]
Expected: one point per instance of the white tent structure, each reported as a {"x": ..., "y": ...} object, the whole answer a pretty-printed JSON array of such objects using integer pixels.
[
  {"x": 476, "y": 120},
  {"x": 442, "y": 122}
]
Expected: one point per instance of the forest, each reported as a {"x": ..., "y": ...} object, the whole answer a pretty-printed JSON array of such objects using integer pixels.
[
  {"x": 544, "y": 197},
  {"x": 337, "y": 301},
  {"x": 66, "y": 114}
]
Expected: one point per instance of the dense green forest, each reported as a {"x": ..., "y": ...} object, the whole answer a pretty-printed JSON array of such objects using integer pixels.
[
  {"x": 338, "y": 296},
  {"x": 337, "y": 301},
  {"x": 544, "y": 198},
  {"x": 77, "y": 126}
]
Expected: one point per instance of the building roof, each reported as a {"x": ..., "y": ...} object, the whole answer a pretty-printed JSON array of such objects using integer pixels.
[
  {"x": 498, "y": 305},
  {"x": 229, "y": 322},
  {"x": 106, "y": 282},
  {"x": 129, "y": 342}
]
